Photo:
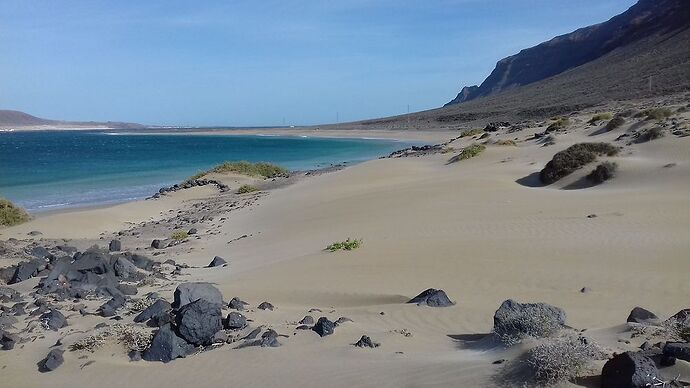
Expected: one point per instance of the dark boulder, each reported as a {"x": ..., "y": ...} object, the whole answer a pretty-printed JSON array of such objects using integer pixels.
[
  {"x": 516, "y": 320},
  {"x": 432, "y": 298},
  {"x": 186, "y": 293},
  {"x": 199, "y": 321},
  {"x": 8, "y": 340},
  {"x": 8, "y": 294},
  {"x": 40, "y": 252},
  {"x": 640, "y": 315},
  {"x": 192, "y": 231},
  {"x": 52, "y": 361},
  {"x": 127, "y": 289},
  {"x": 235, "y": 321},
  {"x": 54, "y": 320},
  {"x": 681, "y": 318},
  {"x": 680, "y": 350},
  {"x": 115, "y": 246},
  {"x": 237, "y": 304},
  {"x": 158, "y": 244},
  {"x": 7, "y": 321},
  {"x": 342, "y": 320},
  {"x": 109, "y": 308},
  {"x": 166, "y": 346},
  {"x": 93, "y": 261},
  {"x": 158, "y": 309},
  {"x": 27, "y": 270},
  {"x": 324, "y": 327},
  {"x": 217, "y": 262},
  {"x": 307, "y": 320},
  {"x": 366, "y": 342},
  {"x": 629, "y": 370},
  {"x": 124, "y": 268},
  {"x": 265, "y": 306}
]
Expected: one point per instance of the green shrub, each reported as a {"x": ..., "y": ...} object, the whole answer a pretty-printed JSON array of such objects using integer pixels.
[
  {"x": 468, "y": 152},
  {"x": 600, "y": 117},
  {"x": 603, "y": 172},
  {"x": 649, "y": 135},
  {"x": 615, "y": 122},
  {"x": 562, "y": 359},
  {"x": 655, "y": 114},
  {"x": 558, "y": 123},
  {"x": 11, "y": 214},
  {"x": 261, "y": 169},
  {"x": 347, "y": 245},
  {"x": 573, "y": 158},
  {"x": 244, "y": 189},
  {"x": 472, "y": 132},
  {"x": 178, "y": 235}
]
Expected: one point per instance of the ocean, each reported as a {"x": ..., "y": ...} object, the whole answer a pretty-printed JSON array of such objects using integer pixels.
[{"x": 48, "y": 170}]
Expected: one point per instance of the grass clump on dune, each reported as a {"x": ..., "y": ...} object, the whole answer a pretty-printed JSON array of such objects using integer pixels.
[
  {"x": 10, "y": 214},
  {"x": 558, "y": 123},
  {"x": 655, "y": 114},
  {"x": 615, "y": 122},
  {"x": 600, "y": 117},
  {"x": 573, "y": 158},
  {"x": 468, "y": 152},
  {"x": 603, "y": 172},
  {"x": 563, "y": 359},
  {"x": 179, "y": 235},
  {"x": 472, "y": 132},
  {"x": 346, "y": 245},
  {"x": 649, "y": 135},
  {"x": 244, "y": 189},
  {"x": 261, "y": 169}
]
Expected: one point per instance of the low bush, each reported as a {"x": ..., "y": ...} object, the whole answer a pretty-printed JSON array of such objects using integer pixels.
[
  {"x": 563, "y": 359},
  {"x": 10, "y": 214},
  {"x": 346, "y": 245},
  {"x": 649, "y": 135},
  {"x": 655, "y": 114},
  {"x": 615, "y": 122},
  {"x": 603, "y": 172},
  {"x": 558, "y": 123},
  {"x": 468, "y": 152},
  {"x": 472, "y": 132},
  {"x": 573, "y": 158},
  {"x": 130, "y": 336},
  {"x": 178, "y": 235},
  {"x": 600, "y": 117},
  {"x": 244, "y": 189},
  {"x": 261, "y": 169}
]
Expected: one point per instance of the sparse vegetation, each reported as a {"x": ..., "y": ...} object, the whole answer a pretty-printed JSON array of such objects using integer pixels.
[
  {"x": 468, "y": 152},
  {"x": 10, "y": 214},
  {"x": 346, "y": 245},
  {"x": 603, "y": 172},
  {"x": 649, "y": 135},
  {"x": 261, "y": 169},
  {"x": 657, "y": 114},
  {"x": 600, "y": 117},
  {"x": 531, "y": 322},
  {"x": 628, "y": 113},
  {"x": 130, "y": 336},
  {"x": 472, "y": 132},
  {"x": 562, "y": 359},
  {"x": 558, "y": 123},
  {"x": 615, "y": 122},
  {"x": 505, "y": 142},
  {"x": 244, "y": 189},
  {"x": 573, "y": 158},
  {"x": 179, "y": 235}
]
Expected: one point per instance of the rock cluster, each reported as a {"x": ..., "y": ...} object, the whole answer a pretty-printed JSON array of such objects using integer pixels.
[{"x": 188, "y": 185}]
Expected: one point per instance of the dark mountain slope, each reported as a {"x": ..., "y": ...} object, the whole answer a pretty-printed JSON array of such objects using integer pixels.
[
  {"x": 17, "y": 119},
  {"x": 645, "y": 19}
]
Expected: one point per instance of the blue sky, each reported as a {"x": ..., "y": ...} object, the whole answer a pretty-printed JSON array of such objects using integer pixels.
[{"x": 258, "y": 62}]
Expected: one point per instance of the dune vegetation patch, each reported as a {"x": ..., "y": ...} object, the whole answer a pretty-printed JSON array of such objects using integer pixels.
[
  {"x": 603, "y": 172},
  {"x": 600, "y": 117},
  {"x": 615, "y": 123},
  {"x": 563, "y": 359},
  {"x": 347, "y": 245},
  {"x": 558, "y": 123},
  {"x": 472, "y": 132},
  {"x": 179, "y": 235},
  {"x": 657, "y": 114},
  {"x": 260, "y": 169},
  {"x": 468, "y": 152},
  {"x": 573, "y": 158},
  {"x": 245, "y": 189},
  {"x": 649, "y": 135},
  {"x": 10, "y": 214}
]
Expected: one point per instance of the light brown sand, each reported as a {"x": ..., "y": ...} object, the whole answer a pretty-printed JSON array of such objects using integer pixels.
[{"x": 469, "y": 228}]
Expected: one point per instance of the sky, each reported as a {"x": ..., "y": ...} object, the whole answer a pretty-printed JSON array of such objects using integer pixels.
[{"x": 263, "y": 63}]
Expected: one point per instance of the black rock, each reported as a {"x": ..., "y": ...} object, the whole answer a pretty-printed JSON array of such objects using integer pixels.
[
  {"x": 235, "y": 321},
  {"x": 8, "y": 340},
  {"x": 166, "y": 346},
  {"x": 158, "y": 309},
  {"x": 237, "y": 304},
  {"x": 189, "y": 292},
  {"x": 40, "y": 252},
  {"x": 192, "y": 231},
  {"x": 432, "y": 298},
  {"x": 265, "y": 306},
  {"x": 269, "y": 339},
  {"x": 679, "y": 350},
  {"x": 54, "y": 320},
  {"x": 324, "y": 327},
  {"x": 640, "y": 315},
  {"x": 124, "y": 268},
  {"x": 629, "y": 370},
  {"x": 681, "y": 318},
  {"x": 515, "y": 319},
  {"x": 115, "y": 246},
  {"x": 17, "y": 309},
  {"x": 307, "y": 320},
  {"x": 27, "y": 270},
  {"x": 127, "y": 289},
  {"x": 199, "y": 321},
  {"x": 7, "y": 321},
  {"x": 342, "y": 320},
  {"x": 217, "y": 262},
  {"x": 134, "y": 355},
  {"x": 366, "y": 342},
  {"x": 109, "y": 308},
  {"x": 159, "y": 244},
  {"x": 52, "y": 361},
  {"x": 9, "y": 295}
]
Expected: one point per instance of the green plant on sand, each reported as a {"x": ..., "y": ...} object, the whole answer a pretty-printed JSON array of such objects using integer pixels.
[
  {"x": 573, "y": 158},
  {"x": 472, "y": 132},
  {"x": 558, "y": 123},
  {"x": 347, "y": 245},
  {"x": 178, "y": 235},
  {"x": 244, "y": 189},
  {"x": 260, "y": 169},
  {"x": 468, "y": 152},
  {"x": 10, "y": 214},
  {"x": 600, "y": 117}
]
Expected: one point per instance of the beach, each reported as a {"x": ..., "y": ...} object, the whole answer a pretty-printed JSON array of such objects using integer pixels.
[{"x": 482, "y": 229}]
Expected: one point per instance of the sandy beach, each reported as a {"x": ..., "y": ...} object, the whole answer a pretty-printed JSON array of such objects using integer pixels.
[{"x": 481, "y": 229}]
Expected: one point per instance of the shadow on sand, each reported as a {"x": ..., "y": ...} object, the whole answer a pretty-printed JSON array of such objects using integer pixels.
[{"x": 531, "y": 180}]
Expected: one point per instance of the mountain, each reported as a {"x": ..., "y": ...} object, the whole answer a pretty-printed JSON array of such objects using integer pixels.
[
  {"x": 565, "y": 52},
  {"x": 17, "y": 119}
]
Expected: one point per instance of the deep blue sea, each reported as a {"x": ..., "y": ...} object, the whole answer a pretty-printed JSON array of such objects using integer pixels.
[{"x": 55, "y": 169}]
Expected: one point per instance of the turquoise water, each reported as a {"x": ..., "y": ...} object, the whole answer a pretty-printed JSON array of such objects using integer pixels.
[{"x": 54, "y": 169}]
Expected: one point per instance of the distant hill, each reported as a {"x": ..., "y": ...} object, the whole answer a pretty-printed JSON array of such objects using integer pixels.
[
  {"x": 17, "y": 119},
  {"x": 644, "y": 19}
]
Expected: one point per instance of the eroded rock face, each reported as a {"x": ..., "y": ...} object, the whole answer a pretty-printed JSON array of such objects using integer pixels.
[
  {"x": 199, "y": 321},
  {"x": 629, "y": 370},
  {"x": 166, "y": 346},
  {"x": 432, "y": 298},
  {"x": 186, "y": 293}
]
